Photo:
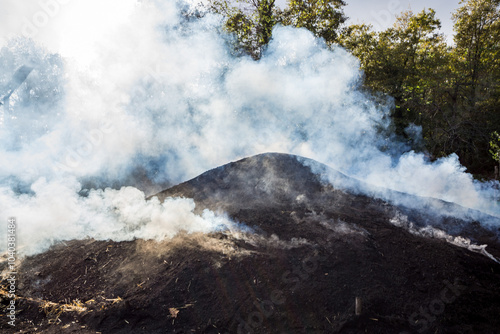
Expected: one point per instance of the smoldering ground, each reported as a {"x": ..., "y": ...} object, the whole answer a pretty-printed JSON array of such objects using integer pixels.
[{"x": 153, "y": 86}]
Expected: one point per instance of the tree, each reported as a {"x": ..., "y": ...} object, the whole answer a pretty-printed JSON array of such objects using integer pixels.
[
  {"x": 265, "y": 14},
  {"x": 452, "y": 92},
  {"x": 477, "y": 27},
  {"x": 406, "y": 61},
  {"x": 495, "y": 146},
  {"x": 361, "y": 41},
  {"x": 322, "y": 17},
  {"x": 474, "y": 96},
  {"x": 252, "y": 21}
]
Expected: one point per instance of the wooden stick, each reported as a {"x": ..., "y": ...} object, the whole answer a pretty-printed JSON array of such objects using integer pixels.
[{"x": 358, "y": 305}]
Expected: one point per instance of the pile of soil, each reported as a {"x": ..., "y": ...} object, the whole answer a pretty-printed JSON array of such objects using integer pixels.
[{"x": 310, "y": 251}]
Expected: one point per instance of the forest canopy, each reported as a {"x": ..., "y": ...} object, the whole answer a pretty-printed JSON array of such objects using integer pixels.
[{"x": 451, "y": 91}]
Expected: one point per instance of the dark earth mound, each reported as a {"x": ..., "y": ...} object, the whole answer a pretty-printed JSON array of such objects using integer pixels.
[{"x": 314, "y": 250}]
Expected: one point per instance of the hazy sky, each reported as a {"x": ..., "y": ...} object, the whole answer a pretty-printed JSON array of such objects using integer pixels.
[{"x": 381, "y": 14}]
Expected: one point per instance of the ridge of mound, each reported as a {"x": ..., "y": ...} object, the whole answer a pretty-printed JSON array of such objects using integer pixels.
[{"x": 276, "y": 179}]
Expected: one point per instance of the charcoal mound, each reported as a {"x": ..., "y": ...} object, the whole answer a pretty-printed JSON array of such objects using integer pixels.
[
  {"x": 263, "y": 180},
  {"x": 319, "y": 259},
  {"x": 274, "y": 180}
]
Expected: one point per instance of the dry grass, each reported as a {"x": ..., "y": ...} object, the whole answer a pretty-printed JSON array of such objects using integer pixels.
[
  {"x": 209, "y": 242},
  {"x": 115, "y": 300},
  {"x": 3, "y": 291},
  {"x": 54, "y": 310},
  {"x": 174, "y": 311}
]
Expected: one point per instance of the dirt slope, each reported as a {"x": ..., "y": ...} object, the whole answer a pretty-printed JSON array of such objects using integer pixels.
[{"x": 314, "y": 249}]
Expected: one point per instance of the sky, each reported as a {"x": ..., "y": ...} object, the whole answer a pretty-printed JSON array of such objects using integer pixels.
[{"x": 382, "y": 14}]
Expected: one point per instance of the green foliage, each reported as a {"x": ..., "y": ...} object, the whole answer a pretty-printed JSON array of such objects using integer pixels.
[
  {"x": 361, "y": 41},
  {"x": 452, "y": 92},
  {"x": 244, "y": 26},
  {"x": 407, "y": 62},
  {"x": 495, "y": 146},
  {"x": 474, "y": 91},
  {"x": 252, "y": 21},
  {"x": 321, "y": 17},
  {"x": 266, "y": 19}
]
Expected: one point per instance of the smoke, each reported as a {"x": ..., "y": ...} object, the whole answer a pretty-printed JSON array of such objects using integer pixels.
[
  {"x": 56, "y": 212},
  {"x": 148, "y": 93},
  {"x": 402, "y": 221}
]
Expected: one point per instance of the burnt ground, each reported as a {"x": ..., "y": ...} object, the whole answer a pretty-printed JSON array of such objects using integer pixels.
[{"x": 313, "y": 250}]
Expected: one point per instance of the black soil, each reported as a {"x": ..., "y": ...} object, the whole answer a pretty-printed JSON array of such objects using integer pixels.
[{"x": 314, "y": 249}]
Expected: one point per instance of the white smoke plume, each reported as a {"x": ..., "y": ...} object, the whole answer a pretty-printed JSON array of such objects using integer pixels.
[
  {"x": 149, "y": 93},
  {"x": 56, "y": 213}
]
